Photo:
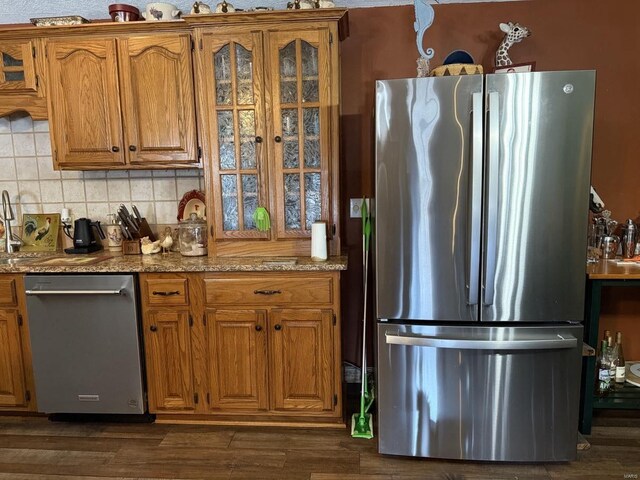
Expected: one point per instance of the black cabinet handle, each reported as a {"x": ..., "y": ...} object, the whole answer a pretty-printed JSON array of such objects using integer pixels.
[
  {"x": 258, "y": 139},
  {"x": 278, "y": 139},
  {"x": 278, "y": 326},
  {"x": 258, "y": 328},
  {"x": 166, "y": 294},
  {"x": 132, "y": 148},
  {"x": 153, "y": 328},
  {"x": 115, "y": 149},
  {"x": 267, "y": 292}
]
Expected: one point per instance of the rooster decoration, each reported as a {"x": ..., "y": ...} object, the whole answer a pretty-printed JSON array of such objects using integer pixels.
[{"x": 31, "y": 228}]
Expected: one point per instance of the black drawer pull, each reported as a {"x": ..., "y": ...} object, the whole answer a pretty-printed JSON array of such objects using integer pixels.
[
  {"x": 267, "y": 292},
  {"x": 258, "y": 328},
  {"x": 115, "y": 149},
  {"x": 278, "y": 326},
  {"x": 166, "y": 294}
]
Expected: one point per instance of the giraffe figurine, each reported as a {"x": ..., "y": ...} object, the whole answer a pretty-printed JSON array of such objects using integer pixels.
[{"x": 514, "y": 34}]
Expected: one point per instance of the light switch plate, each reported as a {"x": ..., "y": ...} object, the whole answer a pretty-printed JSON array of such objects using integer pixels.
[{"x": 355, "y": 210}]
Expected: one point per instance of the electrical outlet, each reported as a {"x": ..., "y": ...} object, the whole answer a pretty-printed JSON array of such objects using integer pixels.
[{"x": 355, "y": 210}]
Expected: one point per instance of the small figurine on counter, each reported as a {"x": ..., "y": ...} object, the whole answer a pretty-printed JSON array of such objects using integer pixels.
[
  {"x": 200, "y": 8},
  {"x": 167, "y": 241},
  {"x": 148, "y": 247}
]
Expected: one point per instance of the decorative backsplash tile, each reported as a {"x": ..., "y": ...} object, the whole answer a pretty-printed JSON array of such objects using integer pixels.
[{"x": 26, "y": 172}]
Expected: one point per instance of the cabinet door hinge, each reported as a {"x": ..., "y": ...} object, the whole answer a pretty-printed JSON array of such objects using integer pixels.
[
  {"x": 199, "y": 152},
  {"x": 190, "y": 320},
  {"x": 19, "y": 320},
  {"x": 200, "y": 44},
  {"x": 211, "y": 230},
  {"x": 335, "y": 399},
  {"x": 193, "y": 45},
  {"x": 334, "y": 319},
  {"x": 330, "y": 38},
  {"x": 27, "y": 396},
  {"x": 204, "y": 320},
  {"x": 195, "y": 398},
  {"x": 33, "y": 52},
  {"x": 37, "y": 81},
  {"x": 208, "y": 399},
  {"x": 333, "y": 230}
]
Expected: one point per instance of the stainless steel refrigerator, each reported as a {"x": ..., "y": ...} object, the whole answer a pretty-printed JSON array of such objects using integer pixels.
[{"x": 482, "y": 194}]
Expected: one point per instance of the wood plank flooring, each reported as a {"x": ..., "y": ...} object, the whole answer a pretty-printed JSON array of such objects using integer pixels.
[{"x": 33, "y": 448}]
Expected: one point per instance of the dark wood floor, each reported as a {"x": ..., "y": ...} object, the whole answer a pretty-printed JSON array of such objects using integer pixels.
[{"x": 37, "y": 449}]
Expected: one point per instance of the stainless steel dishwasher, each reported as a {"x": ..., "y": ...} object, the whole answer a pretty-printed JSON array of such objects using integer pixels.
[{"x": 85, "y": 343}]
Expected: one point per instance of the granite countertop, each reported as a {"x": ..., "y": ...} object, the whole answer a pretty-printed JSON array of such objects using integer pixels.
[{"x": 105, "y": 261}]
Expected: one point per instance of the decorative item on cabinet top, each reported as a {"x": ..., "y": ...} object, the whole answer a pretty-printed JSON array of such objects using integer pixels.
[
  {"x": 65, "y": 20},
  {"x": 161, "y": 12}
]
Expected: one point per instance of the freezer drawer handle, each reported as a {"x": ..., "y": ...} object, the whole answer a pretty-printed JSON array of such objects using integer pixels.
[
  {"x": 557, "y": 342},
  {"x": 74, "y": 292}
]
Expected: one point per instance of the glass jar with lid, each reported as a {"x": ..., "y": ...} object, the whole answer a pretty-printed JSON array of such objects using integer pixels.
[{"x": 193, "y": 236}]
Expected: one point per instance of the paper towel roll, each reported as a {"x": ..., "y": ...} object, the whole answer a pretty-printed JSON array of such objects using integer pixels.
[{"x": 319, "y": 241}]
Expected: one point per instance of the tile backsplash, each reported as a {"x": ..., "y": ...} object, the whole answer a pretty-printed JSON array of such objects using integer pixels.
[{"x": 26, "y": 172}]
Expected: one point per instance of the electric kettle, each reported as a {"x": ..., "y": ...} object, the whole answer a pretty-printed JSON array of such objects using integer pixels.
[{"x": 83, "y": 238}]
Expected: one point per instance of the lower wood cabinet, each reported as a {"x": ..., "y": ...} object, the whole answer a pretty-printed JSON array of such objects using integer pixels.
[
  {"x": 16, "y": 377},
  {"x": 243, "y": 347}
]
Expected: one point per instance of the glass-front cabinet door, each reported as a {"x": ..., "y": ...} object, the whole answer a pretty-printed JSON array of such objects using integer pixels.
[
  {"x": 233, "y": 75},
  {"x": 17, "y": 70},
  {"x": 300, "y": 94}
]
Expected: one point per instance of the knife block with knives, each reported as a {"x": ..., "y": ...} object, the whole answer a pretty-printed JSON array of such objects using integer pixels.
[{"x": 134, "y": 227}]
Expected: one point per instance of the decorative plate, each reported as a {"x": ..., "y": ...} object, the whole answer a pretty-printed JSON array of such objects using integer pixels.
[
  {"x": 49, "y": 21},
  {"x": 192, "y": 202}
]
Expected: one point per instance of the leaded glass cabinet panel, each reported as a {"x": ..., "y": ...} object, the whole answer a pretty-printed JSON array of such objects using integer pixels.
[
  {"x": 300, "y": 70},
  {"x": 233, "y": 75},
  {"x": 17, "y": 71}
]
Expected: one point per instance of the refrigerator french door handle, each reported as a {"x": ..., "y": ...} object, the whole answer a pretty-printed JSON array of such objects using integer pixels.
[
  {"x": 475, "y": 201},
  {"x": 549, "y": 343},
  {"x": 490, "y": 256}
]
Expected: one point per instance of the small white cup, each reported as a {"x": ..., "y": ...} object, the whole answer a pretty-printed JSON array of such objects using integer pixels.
[{"x": 319, "y": 241}]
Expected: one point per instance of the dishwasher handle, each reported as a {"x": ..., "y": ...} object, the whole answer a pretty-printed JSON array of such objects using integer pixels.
[
  {"x": 74, "y": 292},
  {"x": 548, "y": 343}
]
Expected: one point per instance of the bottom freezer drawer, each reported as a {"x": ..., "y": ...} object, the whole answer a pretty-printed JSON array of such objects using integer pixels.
[{"x": 479, "y": 393}]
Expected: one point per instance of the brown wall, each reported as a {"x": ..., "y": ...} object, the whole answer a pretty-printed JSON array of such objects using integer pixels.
[{"x": 567, "y": 35}]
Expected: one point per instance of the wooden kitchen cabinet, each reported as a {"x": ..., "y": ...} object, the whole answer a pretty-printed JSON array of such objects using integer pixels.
[
  {"x": 269, "y": 96},
  {"x": 167, "y": 325},
  {"x": 274, "y": 346},
  {"x": 237, "y": 359},
  {"x": 21, "y": 81},
  {"x": 248, "y": 347},
  {"x": 122, "y": 102},
  {"x": 16, "y": 377}
]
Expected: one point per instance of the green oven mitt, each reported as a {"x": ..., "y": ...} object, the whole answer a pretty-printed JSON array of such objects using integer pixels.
[{"x": 261, "y": 217}]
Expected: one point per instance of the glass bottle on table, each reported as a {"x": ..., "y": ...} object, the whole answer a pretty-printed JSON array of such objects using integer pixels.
[
  {"x": 603, "y": 372},
  {"x": 613, "y": 361},
  {"x": 620, "y": 363}
]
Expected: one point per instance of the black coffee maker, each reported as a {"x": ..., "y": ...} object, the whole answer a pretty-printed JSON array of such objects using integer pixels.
[{"x": 83, "y": 239}]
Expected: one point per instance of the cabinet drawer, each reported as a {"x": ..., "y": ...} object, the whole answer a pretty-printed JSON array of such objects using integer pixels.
[
  {"x": 269, "y": 291},
  {"x": 8, "y": 292},
  {"x": 167, "y": 291}
]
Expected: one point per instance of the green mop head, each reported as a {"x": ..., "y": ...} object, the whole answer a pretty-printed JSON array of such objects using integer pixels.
[
  {"x": 261, "y": 217},
  {"x": 362, "y": 426}
]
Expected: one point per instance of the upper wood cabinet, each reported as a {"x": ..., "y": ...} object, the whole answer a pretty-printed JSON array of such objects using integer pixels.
[
  {"x": 21, "y": 84},
  {"x": 122, "y": 102},
  {"x": 269, "y": 97}
]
